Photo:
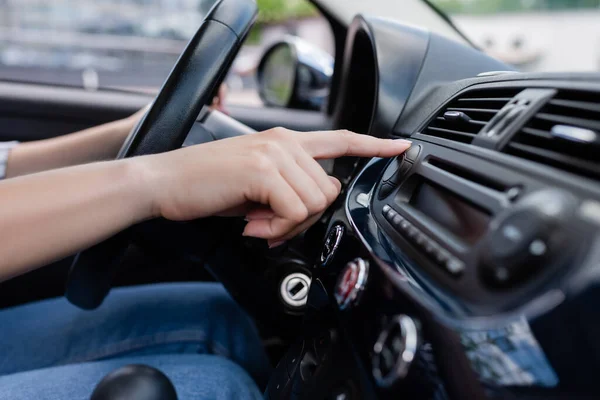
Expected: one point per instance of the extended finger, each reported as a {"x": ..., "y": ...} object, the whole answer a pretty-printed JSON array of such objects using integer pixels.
[{"x": 334, "y": 144}]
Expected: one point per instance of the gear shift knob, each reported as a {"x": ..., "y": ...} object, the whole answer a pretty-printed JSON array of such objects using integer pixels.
[{"x": 135, "y": 382}]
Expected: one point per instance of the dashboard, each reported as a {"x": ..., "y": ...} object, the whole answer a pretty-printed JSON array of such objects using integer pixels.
[{"x": 467, "y": 267}]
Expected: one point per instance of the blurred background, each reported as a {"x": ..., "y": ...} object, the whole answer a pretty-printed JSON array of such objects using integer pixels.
[
  {"x": 132, "y": 44},
  {"x": 532, "y": 35}
]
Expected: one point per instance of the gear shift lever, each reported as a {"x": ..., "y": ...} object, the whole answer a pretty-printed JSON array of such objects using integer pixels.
[{"x": 135, "y": 382}]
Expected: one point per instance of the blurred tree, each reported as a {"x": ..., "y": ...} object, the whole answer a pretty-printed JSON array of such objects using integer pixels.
[{"x": 275, "y": 11}]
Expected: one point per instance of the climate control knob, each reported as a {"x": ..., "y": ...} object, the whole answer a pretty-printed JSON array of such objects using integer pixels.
[
  {"x": 532, "y": 235},
  {"x": 395, "y": 350}
]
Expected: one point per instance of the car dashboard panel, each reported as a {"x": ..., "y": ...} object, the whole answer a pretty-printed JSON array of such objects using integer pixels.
[{"x": 468, "y": 266}]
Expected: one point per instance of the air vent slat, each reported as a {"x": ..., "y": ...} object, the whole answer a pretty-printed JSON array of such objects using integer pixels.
[
  {"x": 485, "y": 99},
  {"x": 561, "y": 119},
  {"x": 448, "y": 134},
  {"x": 476, "y": 107},
  {"x": 472, "y": 122},
  {"x": 537, "y": 132},
  {"x": 569, "y": 163},
  {"x": 480, "y": 123},
  {"x": 565, "y": 134},
  {"x": 578, "y": 105},
  {"x": 477, "y": 110}
]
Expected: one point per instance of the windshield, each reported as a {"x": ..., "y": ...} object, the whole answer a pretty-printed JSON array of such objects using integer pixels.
[{"x": 531, "y": 35}]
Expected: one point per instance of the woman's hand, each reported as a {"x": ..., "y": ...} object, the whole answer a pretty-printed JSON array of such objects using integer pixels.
[{"x": 271, "y": 177}]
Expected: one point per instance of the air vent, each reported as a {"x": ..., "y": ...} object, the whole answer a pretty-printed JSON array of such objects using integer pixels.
[
  {"x": 465, "y": 116},
  {"x": 565, "y": 133}
]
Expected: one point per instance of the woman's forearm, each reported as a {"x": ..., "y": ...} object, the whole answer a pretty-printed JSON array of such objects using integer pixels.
[
  {"x": 47, "y": 216},
  {"x": 94, "y": 144},
  {"x": 52, "y": 214}
]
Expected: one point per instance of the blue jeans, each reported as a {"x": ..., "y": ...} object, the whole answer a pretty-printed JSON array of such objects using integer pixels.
[{"x": 194, "y": 332}]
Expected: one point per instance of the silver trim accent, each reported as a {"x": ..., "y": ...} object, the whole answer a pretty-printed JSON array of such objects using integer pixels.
[
  {"x": 496, "y": 73},
  {"x": 590, "y": 210},
  {"x": 298, "y": 299},
  {"x": 410, "y": 336},
  {"x": 330, "y": 249},
  {"x": 363, "y": 199},
  {"x": 574, "y": 134}
]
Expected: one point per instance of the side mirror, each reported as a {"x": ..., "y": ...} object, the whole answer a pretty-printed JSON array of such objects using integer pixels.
[{"x": 295, "y": 74}]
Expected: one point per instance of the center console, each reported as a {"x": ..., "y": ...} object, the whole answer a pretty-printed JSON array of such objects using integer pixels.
[
  {"x": 468, "y": 266},
  {"x": 488, "y": 234}
]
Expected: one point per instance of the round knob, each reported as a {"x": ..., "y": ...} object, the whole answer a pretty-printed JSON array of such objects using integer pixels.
[
  {"x": 135, "y": 382},
  {"x": 527, "y": 238},
  {"x": 395, "y": 351},
  {"x": 351, "y": 283}
]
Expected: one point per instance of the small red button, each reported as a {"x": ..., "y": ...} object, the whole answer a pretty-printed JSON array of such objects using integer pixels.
[{"x": 351, "y": 282}]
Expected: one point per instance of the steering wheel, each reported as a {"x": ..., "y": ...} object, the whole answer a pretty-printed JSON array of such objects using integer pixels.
[{"x": 190, "y": 86}]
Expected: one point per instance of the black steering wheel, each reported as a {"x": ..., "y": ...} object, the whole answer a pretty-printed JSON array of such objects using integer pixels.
[{"x": 190, "y": 85}]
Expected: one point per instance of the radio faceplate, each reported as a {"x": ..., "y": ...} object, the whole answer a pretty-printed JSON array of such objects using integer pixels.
[{"x": 482, "y": 230}]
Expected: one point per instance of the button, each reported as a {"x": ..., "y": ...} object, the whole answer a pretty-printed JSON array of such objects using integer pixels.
[
  {"x": 397, "y": 221},
  {"x": 392, "y": 168},
  {"x": 386, "y": 209},
  {"x": 429, "y": 247},
  {"x": 455, "y": 266},
  {"x": 351, "y": 283},
  {"x": 412, "y": 154},
  {"x": 385, "y": 190},
  {"x": 400, "y": 174},
  {"x": 441, "y": 256},
  {"x": 390, "y": 214},
  {"x": 420, "y": 239},
  {"x": 412, "y": 232},
  {"x": 404, "y": 225},
  {"x": 404, "y": 170}
]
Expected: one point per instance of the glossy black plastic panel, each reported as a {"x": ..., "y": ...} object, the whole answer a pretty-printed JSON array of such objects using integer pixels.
[{"x": 384, "y": 56}]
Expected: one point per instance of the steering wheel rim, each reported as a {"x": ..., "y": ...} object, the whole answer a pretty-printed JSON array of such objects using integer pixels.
[{"x": 189, "y": 86}]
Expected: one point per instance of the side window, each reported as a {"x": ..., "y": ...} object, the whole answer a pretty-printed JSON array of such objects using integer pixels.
[{"x": 133, "y": 44}]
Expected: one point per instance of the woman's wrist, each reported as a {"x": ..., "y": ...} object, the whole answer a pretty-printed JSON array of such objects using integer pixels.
[
  {"x": 140, "y": 187},
  {"x": 148, "y": 182}
]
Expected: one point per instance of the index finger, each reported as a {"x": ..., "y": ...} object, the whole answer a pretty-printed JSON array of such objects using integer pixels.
[{"x": 334, "y": 144}]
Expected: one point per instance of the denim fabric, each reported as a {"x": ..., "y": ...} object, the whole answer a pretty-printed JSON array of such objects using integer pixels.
[
  {"x": 195, "y": 376},
  {"x": 167, "y": 325}
]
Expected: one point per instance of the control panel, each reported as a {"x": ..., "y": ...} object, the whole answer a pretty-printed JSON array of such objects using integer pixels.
[{"x": 478, "y": 228}]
